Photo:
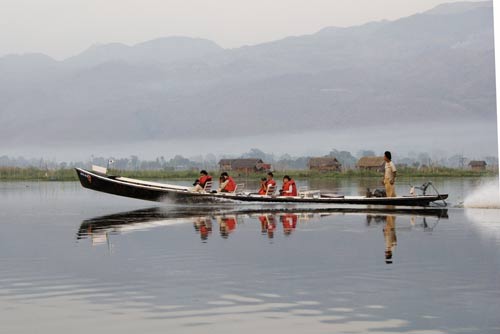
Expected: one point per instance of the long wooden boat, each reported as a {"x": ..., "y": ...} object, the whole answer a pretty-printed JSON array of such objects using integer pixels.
[{"x": 159, "y": 192}]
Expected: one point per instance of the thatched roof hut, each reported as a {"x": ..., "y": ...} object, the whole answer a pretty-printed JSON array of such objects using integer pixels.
[
  {"x": 325, "y": 164},
  {"x": 371, "y": 163},
  {"x": 243, "y": 165},
  {"x": 477, "y": 165}
]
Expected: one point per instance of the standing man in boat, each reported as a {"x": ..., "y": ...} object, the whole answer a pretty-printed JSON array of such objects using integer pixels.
[
  {"x": 199, "y": 185},
  {"x": 389, "y": 175},
  {"x": 289, "y": 187},
  {"x": 227, "y": 184}
]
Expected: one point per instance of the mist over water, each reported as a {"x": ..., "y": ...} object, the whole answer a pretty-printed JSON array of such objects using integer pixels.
[{"x": 475, "y": 142}]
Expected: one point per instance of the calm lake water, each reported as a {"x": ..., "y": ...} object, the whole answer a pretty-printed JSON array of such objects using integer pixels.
[{"x": 77, "y": 261}]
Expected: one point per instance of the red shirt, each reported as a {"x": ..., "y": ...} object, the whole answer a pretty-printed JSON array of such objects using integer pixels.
[{"x": 289, "y": 188}]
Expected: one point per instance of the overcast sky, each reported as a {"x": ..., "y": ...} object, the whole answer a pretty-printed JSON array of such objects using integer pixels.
[{"x": 62, "y": 28}]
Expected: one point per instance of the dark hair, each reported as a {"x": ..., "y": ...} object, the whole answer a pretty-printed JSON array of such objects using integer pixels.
[
  {"x": 287, "y": 177},
  {"x": 270, "y": 174},
  {"x": 388, "y": 155},
  {"x": 224, "y": 174},
  {"x": 204, "y": 172}
]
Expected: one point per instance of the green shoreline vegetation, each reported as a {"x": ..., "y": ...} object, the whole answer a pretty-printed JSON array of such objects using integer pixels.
[{"x": 69, "y": 174}]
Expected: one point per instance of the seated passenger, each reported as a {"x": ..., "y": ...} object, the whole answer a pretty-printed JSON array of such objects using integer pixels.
[
  {"x": 199, "y": 184},
  {"x": 227, "y": 184},
  {"x": 289, "y": 188},
  {"x": 270, "y": 181},
  {"x": 263, "y": 186}
]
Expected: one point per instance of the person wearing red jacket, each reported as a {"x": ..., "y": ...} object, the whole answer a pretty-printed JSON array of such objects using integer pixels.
[
  {"x": 270, "y": 181},
  {"x": 289, "y": 187},
  {"x": 227, "y": 184},
  {"x": 266, "y": 183},
  {"x": 199, "y": 184},
  {"x": 263, "y": 186}
]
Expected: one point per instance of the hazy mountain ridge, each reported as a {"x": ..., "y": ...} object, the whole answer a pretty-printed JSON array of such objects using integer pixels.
[
  {"x": 457, "y": 7},
  {"x": 434, "y": 66},
  {"x": 161, "y": 50}
]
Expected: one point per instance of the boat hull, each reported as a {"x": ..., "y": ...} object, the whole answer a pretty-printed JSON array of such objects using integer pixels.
[
  {"x": 110, "y": 185},
  {"x": 151, "y": 191}
]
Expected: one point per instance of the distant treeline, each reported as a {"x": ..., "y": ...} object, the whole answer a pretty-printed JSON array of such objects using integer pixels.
[
  {"x": 69, "y": 174},
  {"x": 282, "y": 163}
]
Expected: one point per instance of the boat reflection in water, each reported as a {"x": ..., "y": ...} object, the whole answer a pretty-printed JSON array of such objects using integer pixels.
[
  {"x": 99, "y": 229},
  {"x": 203, "y": 226}
]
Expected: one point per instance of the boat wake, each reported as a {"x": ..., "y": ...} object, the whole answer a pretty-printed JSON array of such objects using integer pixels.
[
  {"x": 487, "y": 196},
  {"x": 483, "y": 209}
]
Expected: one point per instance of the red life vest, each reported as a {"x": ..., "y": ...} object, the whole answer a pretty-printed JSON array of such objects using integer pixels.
[
  {"x": 267, "y": 224},
  {"x": 289, "y": 221},
  {"x": 263, "y": 189},
  {"x": 230, "y": 224},
  {"x": 263, "y": 221},
  {"x": 289, "y": 188},
  {"x": 265, "y": 186},
  {"x": 270, "y": 182},
  {"x": 204, "y": 179},
  {"x": 230, "y": 186}
]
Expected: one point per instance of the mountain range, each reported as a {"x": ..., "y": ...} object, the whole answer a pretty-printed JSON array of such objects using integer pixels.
[{"x": 435, "y": 67}]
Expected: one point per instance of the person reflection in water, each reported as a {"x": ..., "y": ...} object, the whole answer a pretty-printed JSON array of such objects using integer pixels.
[
  {"x": 203, "y": 225},
  {"x": 289, "y": 222},
  {"x": 390, "y": 237},
  {"x": 226, "y": 225},
  {"x": 268, "y": 225}
]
